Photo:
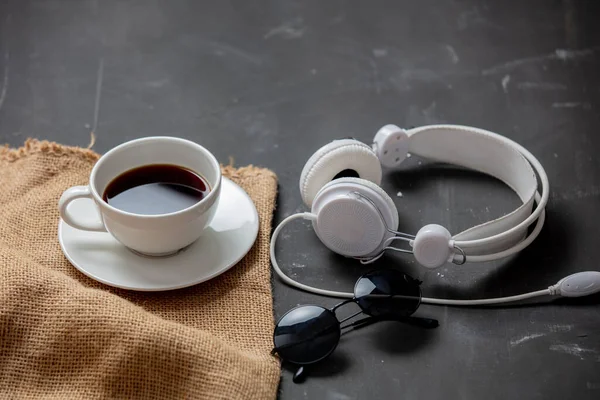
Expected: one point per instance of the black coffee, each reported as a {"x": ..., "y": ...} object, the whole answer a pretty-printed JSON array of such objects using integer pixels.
[{"x": 156, "y": 189}]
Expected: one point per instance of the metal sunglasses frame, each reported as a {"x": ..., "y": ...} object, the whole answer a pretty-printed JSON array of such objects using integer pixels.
[{"x": 421, "y": 322}]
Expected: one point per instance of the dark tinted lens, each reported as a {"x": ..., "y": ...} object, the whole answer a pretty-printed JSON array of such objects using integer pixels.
[
  {"x": 306, "y": 334},
  {"x": 387, "y": 293}
]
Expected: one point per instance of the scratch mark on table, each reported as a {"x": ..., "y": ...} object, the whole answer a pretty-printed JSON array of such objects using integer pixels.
[
  {"x": 524, "y": 339},
  {"x": 560, "y": 328},
  {"x": 580, "y": 193},
  {"x": 98, "y": 94},
  {"x": 558, "y": 54},
  {"x": 157, "y": 83},
  {"x": 4, "y": 79},
  {"x": 593, "y": 385},
  {"x": 293, "y": 29},
  {"x": 572, "y": 104},
  {"x": 564, "y": 54},
  {"x": 224, "y": 48},
  {"x": 453, "y": 54},
  {"x": 505, "y": 82},
  {"x": 6, "y": 67},
  {"x": 380, "y": 52},
  {"x": 572, "y": 349},
  {"x": 375, "y": 76},
  {"x": 541, "y": 86},
  {"x": 429, "y": 113},
  {"x": 333, "y": 395}
]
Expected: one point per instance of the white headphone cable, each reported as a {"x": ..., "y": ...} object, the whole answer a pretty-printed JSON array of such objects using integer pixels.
[
  {"x": 575, "y": 285},
  {"x": 287, "y": 279}
]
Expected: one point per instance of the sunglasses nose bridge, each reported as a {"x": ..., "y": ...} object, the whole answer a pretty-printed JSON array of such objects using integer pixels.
[{"x": 343, "y": 303}]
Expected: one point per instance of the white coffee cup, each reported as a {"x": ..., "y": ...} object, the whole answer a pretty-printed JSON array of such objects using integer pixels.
[{"x": 154, "y": 235}]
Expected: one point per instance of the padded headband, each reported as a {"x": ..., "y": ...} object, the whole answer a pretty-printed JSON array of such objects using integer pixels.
[{"x": 495, "y": 155}]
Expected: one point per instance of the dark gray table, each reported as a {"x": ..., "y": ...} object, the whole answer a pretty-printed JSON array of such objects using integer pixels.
[{"x": 269, "y": 82}]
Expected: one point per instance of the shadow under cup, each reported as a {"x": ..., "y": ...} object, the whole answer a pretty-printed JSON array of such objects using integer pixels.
[{"x": 163, "y": 234}]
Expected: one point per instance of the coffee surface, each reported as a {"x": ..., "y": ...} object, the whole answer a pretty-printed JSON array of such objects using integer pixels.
[{"x": 156, "y": 189}]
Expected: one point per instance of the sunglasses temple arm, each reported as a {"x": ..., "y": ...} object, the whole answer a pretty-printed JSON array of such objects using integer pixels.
[
  {"x": 341, "y": 304},
  {"x": 427, "y": 323},
  {"x": 361, "y": 323},
  {"x": 420, "y": 322}
]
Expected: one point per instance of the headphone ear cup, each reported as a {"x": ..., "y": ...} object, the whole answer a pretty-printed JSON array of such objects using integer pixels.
[
  {"x": 340, "y": 158},
  {"x": 349, "y": 225},
  {"x": 390, "y": 206}
]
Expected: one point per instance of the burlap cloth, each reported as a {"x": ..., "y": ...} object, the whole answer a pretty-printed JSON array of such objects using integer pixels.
[{"x": 62, "y": 335}]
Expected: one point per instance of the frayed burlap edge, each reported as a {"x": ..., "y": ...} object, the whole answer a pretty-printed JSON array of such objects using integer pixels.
[{"x": 34, "y": 146}]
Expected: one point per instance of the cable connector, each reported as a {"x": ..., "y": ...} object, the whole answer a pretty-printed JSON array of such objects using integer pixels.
[
  {"x": 309, "y": 216},
  {"x": 577, "y": 285}
]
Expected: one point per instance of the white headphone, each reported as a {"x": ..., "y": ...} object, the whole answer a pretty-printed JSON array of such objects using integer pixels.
[{"x": 354, "y": 217}]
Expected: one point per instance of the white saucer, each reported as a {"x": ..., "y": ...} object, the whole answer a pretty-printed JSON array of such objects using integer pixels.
[{"x": 226, "y": 241}]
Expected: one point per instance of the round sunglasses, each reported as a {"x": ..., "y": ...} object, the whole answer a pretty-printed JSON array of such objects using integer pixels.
[{"x": 308, "y": 334}]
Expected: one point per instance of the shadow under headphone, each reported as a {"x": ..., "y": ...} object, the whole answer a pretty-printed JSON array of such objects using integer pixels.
[{"x": 354, "y": 217}]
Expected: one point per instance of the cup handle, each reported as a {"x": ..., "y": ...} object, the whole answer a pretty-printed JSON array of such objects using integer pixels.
[{"x": 78, "y": 192}]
